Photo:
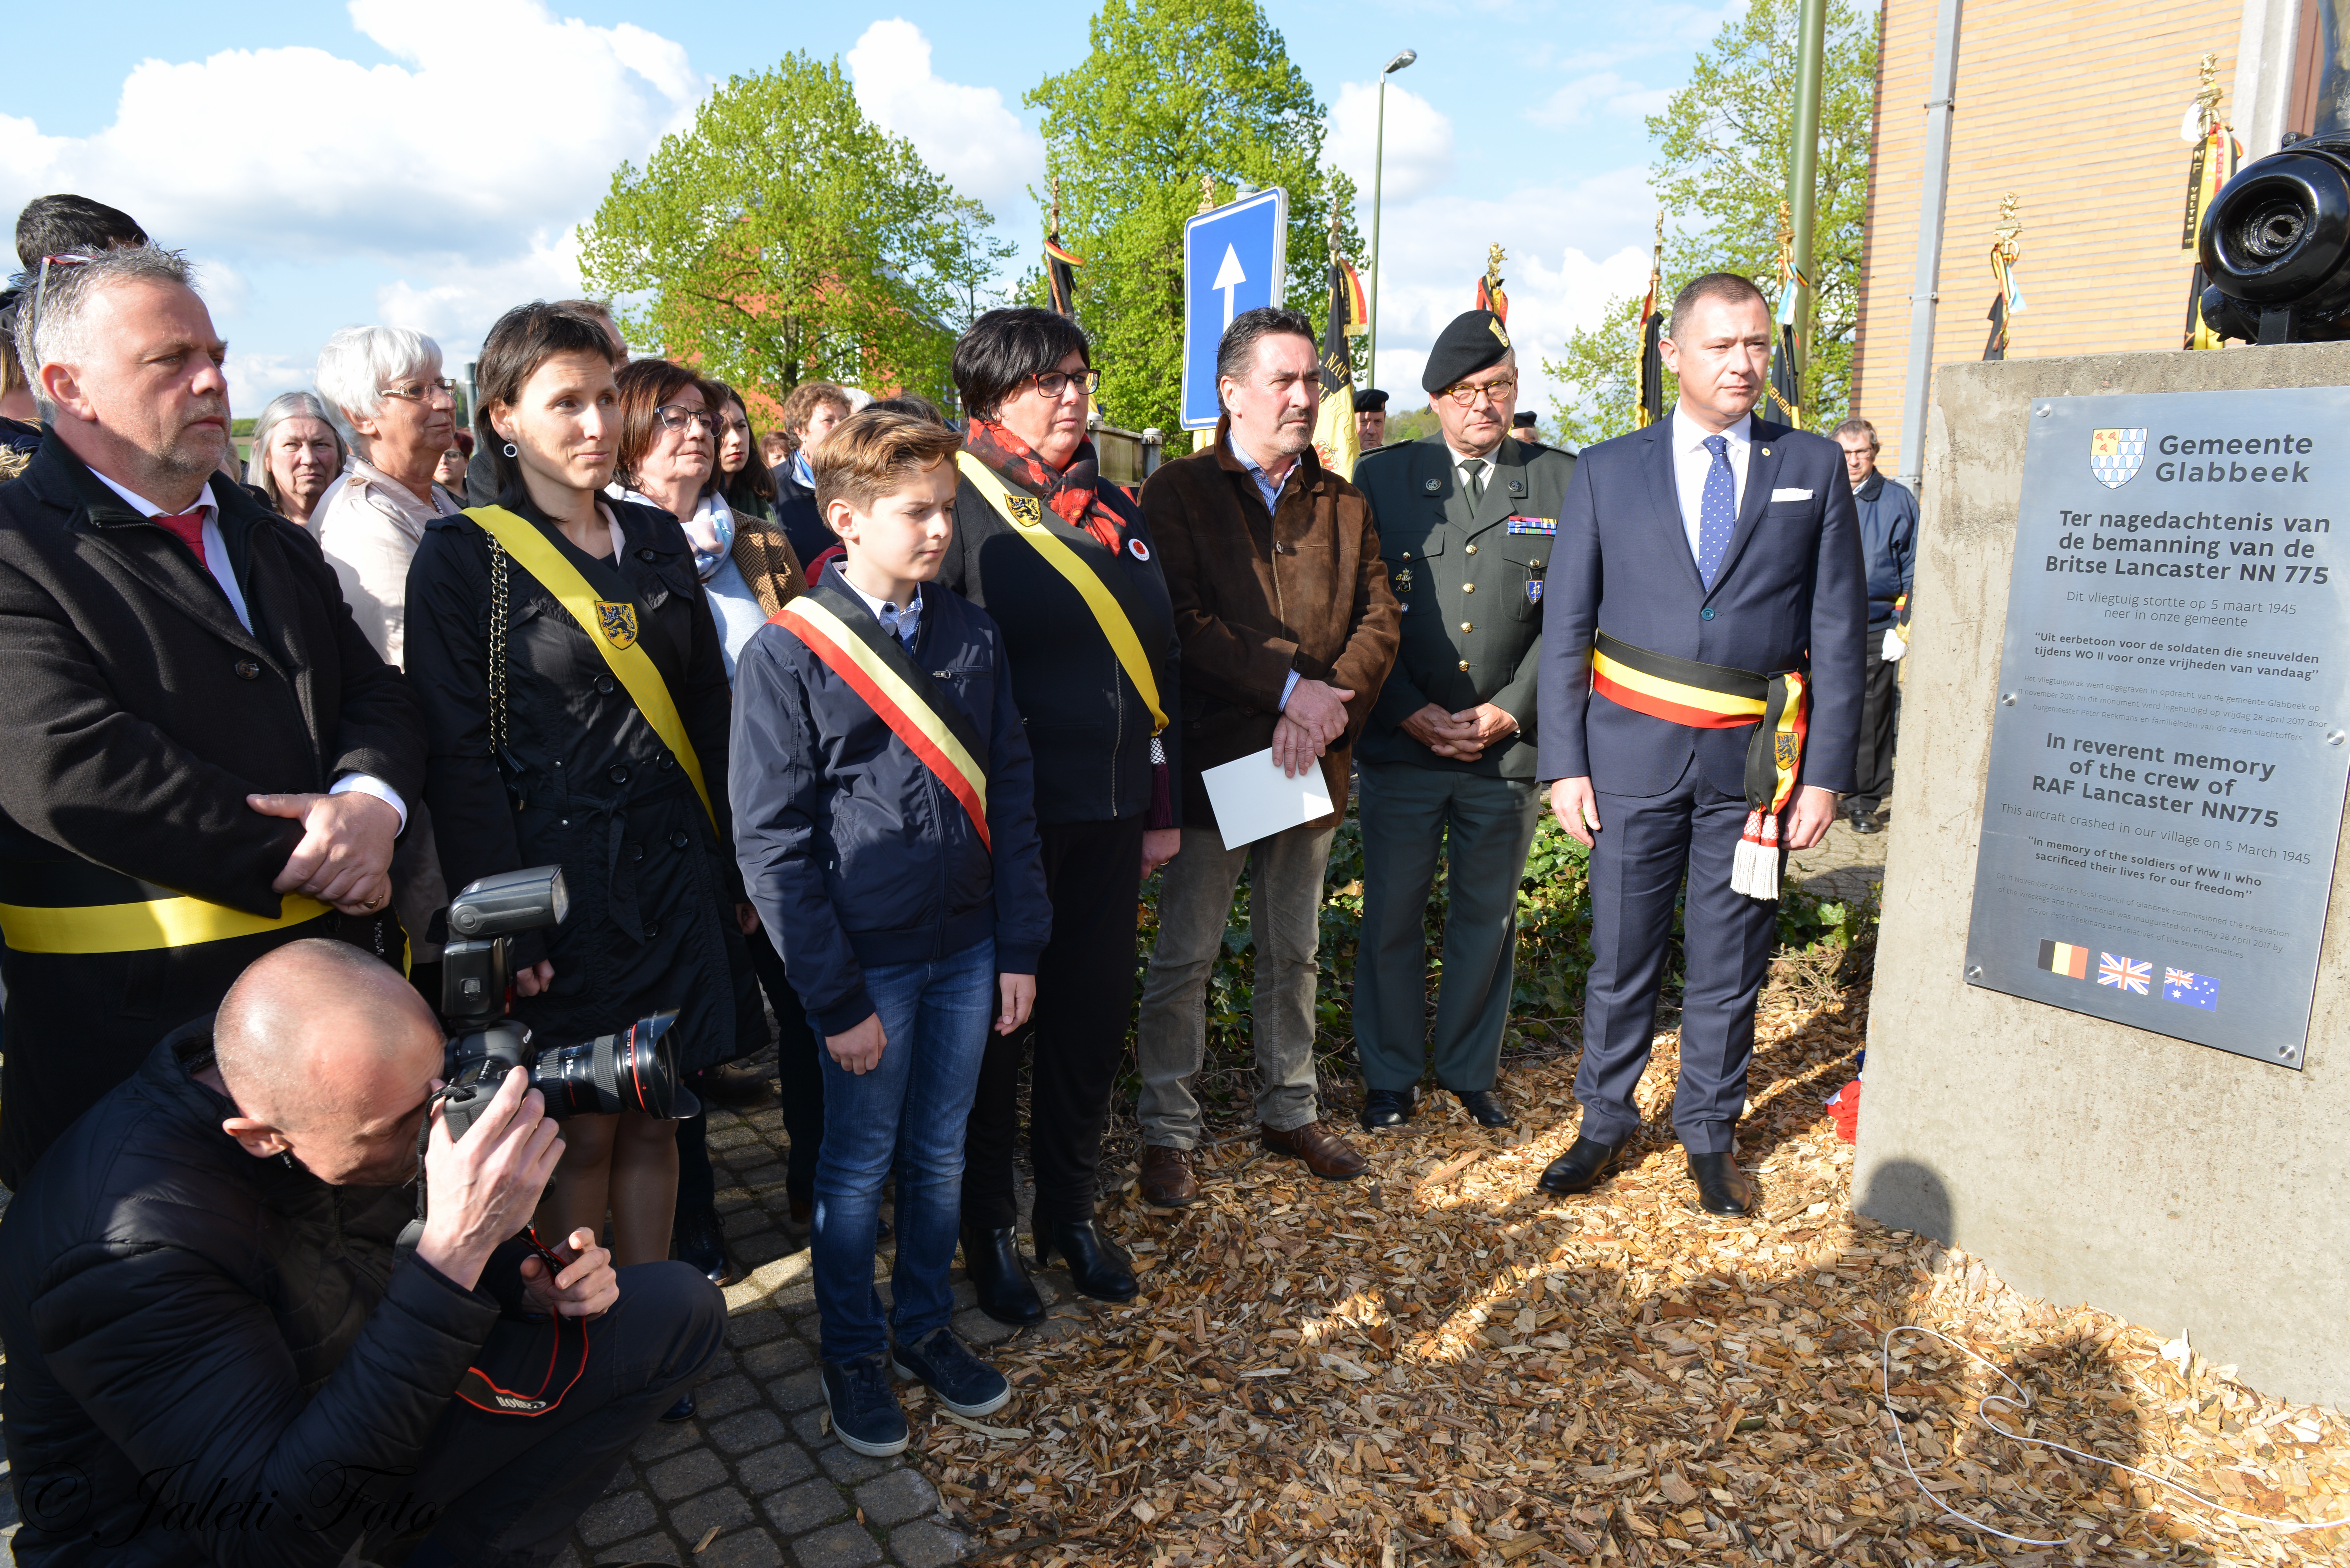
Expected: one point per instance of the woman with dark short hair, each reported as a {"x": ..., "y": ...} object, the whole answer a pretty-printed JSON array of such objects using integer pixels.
[
  {"x": 541, "y": 754},
  {"x": 1064, "y": 562}
]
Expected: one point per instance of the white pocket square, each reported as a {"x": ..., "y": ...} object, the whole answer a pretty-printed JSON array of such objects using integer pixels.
[{"x": 1791, "y": 496}]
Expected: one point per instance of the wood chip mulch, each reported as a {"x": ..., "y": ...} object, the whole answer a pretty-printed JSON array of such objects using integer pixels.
[{"x": 1438, "y": 1364}]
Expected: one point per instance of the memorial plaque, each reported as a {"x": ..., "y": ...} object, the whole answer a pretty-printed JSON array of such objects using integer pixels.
[{"x": 2168, "y": 749}]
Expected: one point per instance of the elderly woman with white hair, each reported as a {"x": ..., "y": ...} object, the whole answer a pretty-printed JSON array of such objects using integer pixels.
[
  {"x": 386, "y": 382},
  {"x": 297, "y": 456}
]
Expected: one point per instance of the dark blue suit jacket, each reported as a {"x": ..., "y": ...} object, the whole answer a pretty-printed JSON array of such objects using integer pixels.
[{"x": 1793, "y": 590}]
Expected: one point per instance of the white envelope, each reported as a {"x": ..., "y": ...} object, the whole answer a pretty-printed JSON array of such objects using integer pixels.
[
  {"x": 1791, "y": 496},
  {"x": 1254, "y": 799}
]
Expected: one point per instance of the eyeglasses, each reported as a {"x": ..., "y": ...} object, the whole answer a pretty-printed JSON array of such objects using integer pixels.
[
  {"x": 1465, "y": 396},
  {"x": 674, "y": 417},
  {"x": 421, "y": 391},
  {"x": 1053, "y": 384}
]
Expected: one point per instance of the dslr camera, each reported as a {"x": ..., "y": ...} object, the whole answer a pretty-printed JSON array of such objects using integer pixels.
[{"x": 633, "y": 1070}]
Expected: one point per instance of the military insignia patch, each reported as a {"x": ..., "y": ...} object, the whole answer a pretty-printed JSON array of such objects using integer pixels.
[
  {"x": 617, "y": 622},
  {"x": 1401, "y": 581},
  {"x": 1025, "y": 510},
  {"x": 2115, "y": 455},
  {"x": 1534, "y": 591},
  {"x": 1546, "y": 526}
]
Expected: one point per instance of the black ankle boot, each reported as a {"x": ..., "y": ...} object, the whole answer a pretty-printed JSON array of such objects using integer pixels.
[
  {"x": 1099, "y": 1267},
  {"x": 1000, "y": 1276}
]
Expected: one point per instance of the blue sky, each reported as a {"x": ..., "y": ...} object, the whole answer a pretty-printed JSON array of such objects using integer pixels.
[{"x": 422, "y": 162}]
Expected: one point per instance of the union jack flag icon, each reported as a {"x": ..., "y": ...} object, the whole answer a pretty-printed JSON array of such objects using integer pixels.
[{"x": 2124, "y": 974}]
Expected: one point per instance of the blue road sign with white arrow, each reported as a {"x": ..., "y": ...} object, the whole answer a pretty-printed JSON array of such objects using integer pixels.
[{"x": 1233, "y": 260}]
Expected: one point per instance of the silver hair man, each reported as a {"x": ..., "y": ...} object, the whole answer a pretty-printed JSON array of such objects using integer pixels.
[{"x": 57, "y": 296}]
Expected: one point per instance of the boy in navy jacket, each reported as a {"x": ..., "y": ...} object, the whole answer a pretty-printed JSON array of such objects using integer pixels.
[{"x": 886, "y": 824}]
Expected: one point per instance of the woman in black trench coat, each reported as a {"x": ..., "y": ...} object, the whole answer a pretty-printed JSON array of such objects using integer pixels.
[{"x": 571, "y": 771}]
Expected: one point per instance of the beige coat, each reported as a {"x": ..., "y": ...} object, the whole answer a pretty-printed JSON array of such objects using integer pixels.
[{"x": 370, "y": 524}]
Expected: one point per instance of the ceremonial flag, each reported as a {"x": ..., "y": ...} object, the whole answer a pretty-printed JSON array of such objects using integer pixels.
[
  {"x": 1335, "y": 443},
  {"x": 1784, "y": 401},
  {"x": 2124, "y": 974},
  {"x": 1489, "y": 284},
  {"x": 2195, "y": 990},
  {"x": 2217, "y": 153},
  {"x": 1061, "y": 274},
  {"x": 1649, "y": 375},
  {"x": 2064, "y": 958}
]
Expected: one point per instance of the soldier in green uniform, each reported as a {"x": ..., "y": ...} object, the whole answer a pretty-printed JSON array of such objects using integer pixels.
[{"x": 1466, "y": 521}]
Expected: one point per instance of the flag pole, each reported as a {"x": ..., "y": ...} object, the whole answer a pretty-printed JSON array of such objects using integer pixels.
[{"x": 1803, "y": 166}]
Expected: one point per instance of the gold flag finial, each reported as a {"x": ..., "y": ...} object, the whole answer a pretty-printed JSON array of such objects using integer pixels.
[
  {"x": 2003, "y": 235},
  {"x": 1494, "y": 256},
  {"x": 1786, "y": 241},
  {"x": 2207, "y": 100},
  {"x": 1057, "y": 203},
  {"x": 1207, "y": 193}
]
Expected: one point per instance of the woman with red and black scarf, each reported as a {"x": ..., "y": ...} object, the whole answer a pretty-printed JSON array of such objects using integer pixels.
[{"x": 1063, "y": 561}]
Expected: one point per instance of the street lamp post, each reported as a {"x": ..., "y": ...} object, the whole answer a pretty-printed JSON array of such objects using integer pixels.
[{"x": 1378, "y": 167}]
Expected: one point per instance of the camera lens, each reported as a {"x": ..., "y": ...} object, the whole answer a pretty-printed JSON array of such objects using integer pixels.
[{"x": 631, "y": 1071}]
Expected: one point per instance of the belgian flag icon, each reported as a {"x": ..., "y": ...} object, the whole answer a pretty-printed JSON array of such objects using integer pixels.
[{"x": 2064, "y": 958}]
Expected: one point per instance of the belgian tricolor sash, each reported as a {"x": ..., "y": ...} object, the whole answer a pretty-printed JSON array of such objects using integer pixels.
[
  {"x": 839, "y": 631},
  {"x": 1716, "y": 697}
]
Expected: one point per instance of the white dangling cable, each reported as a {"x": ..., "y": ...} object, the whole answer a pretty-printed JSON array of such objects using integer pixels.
[{"x": 2020, "y": 1403}]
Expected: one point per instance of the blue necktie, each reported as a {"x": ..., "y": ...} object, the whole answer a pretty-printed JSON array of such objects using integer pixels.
[{"x": 1717, "y": 512}]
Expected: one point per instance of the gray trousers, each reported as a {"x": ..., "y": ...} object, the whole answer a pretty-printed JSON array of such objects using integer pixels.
[
  {"x": 1483, "y": 827},
  {"x": 1286, "y": 873}
]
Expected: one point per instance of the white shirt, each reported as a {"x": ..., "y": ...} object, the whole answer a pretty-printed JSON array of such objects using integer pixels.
[
  {"x": 1486, "y": 464},
  {"x": 1692, "y": 462},
  {"x": 216, "y": 562},
  {"x": 897, "y": 618}
]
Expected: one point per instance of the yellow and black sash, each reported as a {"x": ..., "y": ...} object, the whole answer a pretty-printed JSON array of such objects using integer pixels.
[
  {"x": 1026, "y": 516},
  {"x": 839, "y": 631},
  {"x": 1716, "y": 697},
  {"x": 75, "y": 907},
  {"x": 611, "y": 627}
]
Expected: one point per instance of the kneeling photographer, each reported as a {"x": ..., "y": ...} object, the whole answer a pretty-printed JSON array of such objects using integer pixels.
[{"x": 231, "y": 1340}]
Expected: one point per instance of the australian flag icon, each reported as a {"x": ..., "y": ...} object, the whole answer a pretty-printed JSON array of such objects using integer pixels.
[{"x": 2195, "y": 990}]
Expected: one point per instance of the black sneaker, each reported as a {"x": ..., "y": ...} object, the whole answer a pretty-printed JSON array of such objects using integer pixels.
[
  {"x": 866, "y": 1415},
  {"x": 962, "y": 1382}
]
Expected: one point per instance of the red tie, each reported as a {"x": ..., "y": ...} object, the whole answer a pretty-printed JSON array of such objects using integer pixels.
[{"x": 188, "y": 527}]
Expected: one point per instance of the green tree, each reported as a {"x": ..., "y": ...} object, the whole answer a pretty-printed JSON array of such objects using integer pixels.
[
  {"x": 1725, "y": 143},
  {"x": 785, "y": 236},
  {"x": 1170, "y": 92}
]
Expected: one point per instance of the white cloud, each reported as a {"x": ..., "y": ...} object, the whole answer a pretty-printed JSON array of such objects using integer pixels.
[
  {"x": 1419, "y": 141},
  {"x": 1571, "y": 248},
  {"x": 501, "y": 121},
  {"x": 460, "y": 300},
  {"x": 965, "y": 133},
  {"x": 1613, "y": 96}
]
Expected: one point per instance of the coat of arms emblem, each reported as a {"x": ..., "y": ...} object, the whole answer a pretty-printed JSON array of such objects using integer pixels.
[
  {"x": 618, "y": 622},
  {"x": 2115, "y": 455},
  {"x": 1026, "y": 510}
]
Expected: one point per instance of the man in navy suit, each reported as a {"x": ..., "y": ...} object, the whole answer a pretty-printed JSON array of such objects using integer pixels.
[{"x": 1714, "y": 560}]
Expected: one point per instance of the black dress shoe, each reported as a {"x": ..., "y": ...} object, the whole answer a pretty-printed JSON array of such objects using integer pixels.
[
  {"x": 1384, "y": 1110},
  {"x": 1098, "y": 1266},
  {"x": 1580, "y": 1168},
  {"x": 1484, "y": 1105},
  {"x": 681, "y": 1412},
  {"x": 735, "y": 1084},
  {"x": 1722, "y": 1188},
  {"x": 1865, "y": 822},
  {"x": 1000, "y": 1276},
  {"x": 698, "y": 1241}
]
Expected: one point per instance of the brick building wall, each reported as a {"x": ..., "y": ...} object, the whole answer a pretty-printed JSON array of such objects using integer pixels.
[{"x": 2074, "y": 108}]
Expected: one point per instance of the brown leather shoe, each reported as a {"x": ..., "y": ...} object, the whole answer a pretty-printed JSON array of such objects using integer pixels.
[
  {"x": 1325, "y": 1154},
  {"x": 1167, "y": 1179}
]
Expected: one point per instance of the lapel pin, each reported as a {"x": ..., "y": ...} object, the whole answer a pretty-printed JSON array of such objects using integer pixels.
[
  {"x": 1517, "y": 487},
  {"x": 1766, "y": 452},
  {"x": 1432, "y": 485}
]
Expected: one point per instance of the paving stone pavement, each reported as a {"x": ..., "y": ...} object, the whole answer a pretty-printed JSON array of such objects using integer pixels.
[
  {"x": 756, "y": 1475},
  {"x": 1844, "y": 865}
]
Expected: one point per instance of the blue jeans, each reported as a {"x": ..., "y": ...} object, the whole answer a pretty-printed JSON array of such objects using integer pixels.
[{"x": 909, "y": 1111}]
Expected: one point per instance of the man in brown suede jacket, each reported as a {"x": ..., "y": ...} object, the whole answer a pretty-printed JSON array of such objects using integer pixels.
[{"x": 1288, "y": 627}]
